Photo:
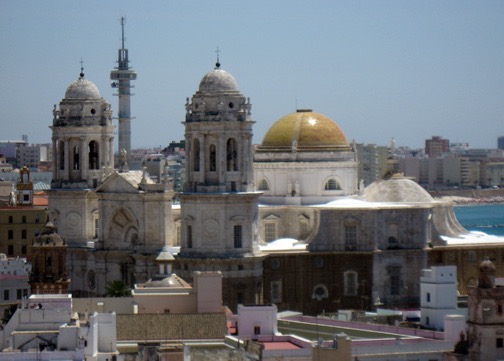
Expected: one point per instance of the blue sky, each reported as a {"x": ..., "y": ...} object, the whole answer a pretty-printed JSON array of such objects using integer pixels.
[{"x": 380, "y": 69}]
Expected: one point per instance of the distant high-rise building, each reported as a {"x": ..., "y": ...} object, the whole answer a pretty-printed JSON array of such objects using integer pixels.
[
  {"x": 373, "y": 162},
  {"x": 32, "y": 156},
  {"x": 500, "y": 142},
  {"x": 436, "y": 146},
  {"x": 121, "y": 80}
]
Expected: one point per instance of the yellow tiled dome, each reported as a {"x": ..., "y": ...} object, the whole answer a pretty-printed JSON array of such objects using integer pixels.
[{"x": 305, "y": 130}]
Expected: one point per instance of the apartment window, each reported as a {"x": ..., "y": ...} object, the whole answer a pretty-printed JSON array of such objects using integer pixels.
[
  {"x": 23, "y": 249},
  {"x": 23, "y": 234},
  {"x": 237, "y": 236},
  {"x": 23, "y": 219},
  {"x": 11, "y": 219},
  {"x": 499, "y": 309},
  {"x": 10, "y": 250},
  {"x": 25, "y": 292},
  {"x": 270, "y": 231},
  {"x": 19, "y": 294},
  {"x": 427, "y": 321},
  {"x": 350, "y": 283},
  {"x": 6, "y": 295},
  {"x": 37, "y": 218},
  {"x": 428, "y": 297},
  {"x": 10, "y": 234},
  {"x": 257, "y": 330},
  {"x": 275, "y": 263},
  {"x": 350, "y": 238},
  {"x": 189, "y": 237}
]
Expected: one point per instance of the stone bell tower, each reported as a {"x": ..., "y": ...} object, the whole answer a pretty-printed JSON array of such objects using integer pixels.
[
  {"x": 219, "y": 208},
  {"x": 82, "y": 136}
]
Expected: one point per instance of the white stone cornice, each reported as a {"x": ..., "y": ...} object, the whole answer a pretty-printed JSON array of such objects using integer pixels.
[{"x": 303, "y": 165}]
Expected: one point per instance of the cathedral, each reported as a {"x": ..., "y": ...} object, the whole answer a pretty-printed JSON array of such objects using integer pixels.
[{"x": 286, "y": 221}]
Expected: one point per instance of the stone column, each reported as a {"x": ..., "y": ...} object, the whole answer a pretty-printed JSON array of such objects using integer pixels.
[
  {"x": 83, "y": 158},
  {"x": 222, "y": 161},
  {"x": 66, "y": 159},
  {"x": 55, "y": 161},
  {"x": 202, "y": 168},
  {"x": 103, "y": 152},
  {"x": 111, "y": 152}
]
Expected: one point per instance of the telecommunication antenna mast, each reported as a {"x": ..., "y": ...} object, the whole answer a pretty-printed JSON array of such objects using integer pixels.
[{"x": 121, "y": 78}]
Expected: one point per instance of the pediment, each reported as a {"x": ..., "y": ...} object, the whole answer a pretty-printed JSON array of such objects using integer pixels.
[{"x": 120, "y": 183}]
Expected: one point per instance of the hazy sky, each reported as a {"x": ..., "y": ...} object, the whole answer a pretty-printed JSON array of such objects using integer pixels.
[{"x": 380, "y": 69}]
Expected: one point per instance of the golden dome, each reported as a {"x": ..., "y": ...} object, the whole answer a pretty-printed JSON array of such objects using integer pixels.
[{"x": 305, "y": 130}]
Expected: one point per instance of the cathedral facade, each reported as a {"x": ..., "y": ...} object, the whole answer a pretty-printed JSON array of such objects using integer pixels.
[
  {"x": 287, "y": 223},
  {"x": 114, "y": 223}
]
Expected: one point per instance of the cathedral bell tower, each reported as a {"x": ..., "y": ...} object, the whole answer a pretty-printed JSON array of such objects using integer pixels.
[
  {"x": 219, "y": 208},
  {"x": 82, "y": 136}
]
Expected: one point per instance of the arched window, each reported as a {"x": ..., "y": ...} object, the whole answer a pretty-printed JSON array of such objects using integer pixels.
[
  {"x": 332, "y": 185},
  {"x": 76, "y": 158},
  {"x": 393, "y": 243},
  {"x": 61, "y": 146},
  {"x": 263, "y": 185},
  {"x": 232, "y": 161},
  {"x": 213, "y": 158},
  {"x": 93, "y": 155},
  {"x": 196, "y": 155}
]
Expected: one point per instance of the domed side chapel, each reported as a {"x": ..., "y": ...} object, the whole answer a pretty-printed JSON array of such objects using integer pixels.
[{"x": 288, "y": 224}]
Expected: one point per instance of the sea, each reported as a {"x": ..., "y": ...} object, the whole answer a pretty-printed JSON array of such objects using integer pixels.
[{"x": 488, "y": 218}]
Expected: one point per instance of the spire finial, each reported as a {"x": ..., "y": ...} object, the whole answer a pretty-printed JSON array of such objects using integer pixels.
[
  {"x": 81, "y": 68},
  {"x": 217, "y": 64}
]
